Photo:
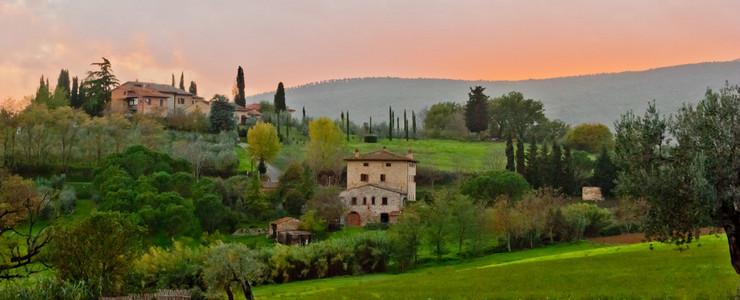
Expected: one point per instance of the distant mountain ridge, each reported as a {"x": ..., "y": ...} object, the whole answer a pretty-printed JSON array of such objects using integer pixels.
[{"x": 598, "y": 98}]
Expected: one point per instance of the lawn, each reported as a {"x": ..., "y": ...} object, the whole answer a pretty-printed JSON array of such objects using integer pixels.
[
  {"x": 578, "y": 271},
  {"x": 245, "y": 164}
]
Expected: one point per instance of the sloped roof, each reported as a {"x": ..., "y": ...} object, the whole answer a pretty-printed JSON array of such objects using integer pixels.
[
  {"x": 162, "y": 88},
  {"x": 380, "y": 155},
  {"x": 283, "y": 220},
  {"x": 379, "y": 186}
]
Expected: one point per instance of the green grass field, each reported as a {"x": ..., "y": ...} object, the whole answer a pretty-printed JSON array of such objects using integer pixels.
[
  {"x": 244, "y": 163},
  {"x": 576, "y": 271}
]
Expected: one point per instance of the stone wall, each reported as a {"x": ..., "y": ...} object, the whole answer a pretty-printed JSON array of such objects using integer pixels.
[{"x": 369, "y": 212}]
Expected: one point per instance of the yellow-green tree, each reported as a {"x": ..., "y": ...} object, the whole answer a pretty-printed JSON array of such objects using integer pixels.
[
  {"x": 326, "y": 148},
  {"x": 263, "y": 142}
]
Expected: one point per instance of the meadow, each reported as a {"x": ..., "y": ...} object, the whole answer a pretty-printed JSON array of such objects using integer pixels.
[{"x": 569, "y": 271}]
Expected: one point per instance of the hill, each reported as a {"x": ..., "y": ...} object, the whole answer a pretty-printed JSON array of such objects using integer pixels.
[
  {"x": 575, "y": 271},
  {"x": 590, "y": 98}
]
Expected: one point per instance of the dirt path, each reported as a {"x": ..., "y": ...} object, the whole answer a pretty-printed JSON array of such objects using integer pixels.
[{"x": 635, "y": 238}]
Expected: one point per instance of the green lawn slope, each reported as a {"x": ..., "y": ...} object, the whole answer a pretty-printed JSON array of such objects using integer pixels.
[{"x": 574, "y": 271}]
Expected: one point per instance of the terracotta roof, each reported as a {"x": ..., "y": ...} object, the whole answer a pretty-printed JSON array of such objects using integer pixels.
[
  {"x": 255, "y": 106},
  {"x": 238, "y": 107},
  {"x": 283, "y": 220},
  {"x": 379, "y": 186},
  {"x": 162, "y": 88},
  {"x": 380, "y": 155}
]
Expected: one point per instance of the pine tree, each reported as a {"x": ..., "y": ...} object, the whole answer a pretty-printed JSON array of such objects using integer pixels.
[
  {"x": 476, "y": 110},
  {"x": 569, "y": 184},
  {"x": 239, "y": 98},
  {"x": 182, "y": 81},
  {"x": 74, "y": 97},
  {"x": 63, "y": 81},
  {"x": 509, "y": 154},
  {"x": 556, "y": 166},
  {"x": 413, "y": 123},
  {"x": 605, "y": 173},
  {"x": 520, "y": 167},
  {"x": 405, "y": 125},
  {"x": 193, "y": 88},
  {"x": 544, "y": 166},
  {"x": 533, "y": 173}
]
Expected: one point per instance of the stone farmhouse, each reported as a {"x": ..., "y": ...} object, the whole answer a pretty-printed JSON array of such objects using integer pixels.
[
  {"x": 151, "y": 98},
  {"x": 379, "y": 185}
]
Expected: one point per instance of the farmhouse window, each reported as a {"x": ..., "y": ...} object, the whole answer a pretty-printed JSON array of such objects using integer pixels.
[
  {"x": 161, "y": 102},
  {"x": 364, "y": 201},
  {"x": 148, "y": 101},
  {"x": 363, "y": 177},
  {"x": 387, "y": 164},
  {"x": 385, "y": 201},
  {"x": 414, "y": 178},
  {"x": 354, "y": 200},
  {"x": 382, "y": 177},
  {"x": 365, "y": 164},
  {"x": 373, "y": 199}
]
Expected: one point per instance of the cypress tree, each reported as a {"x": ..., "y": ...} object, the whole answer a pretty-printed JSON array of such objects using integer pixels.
[
  {"x": 605, "y": 172},
  {"x": 303, "y": 121},
  {"x": 371, "y": 125},
  {"x": 509, "y": 154},
  {"x": 279, "y": 102},
  {"x": 569, "y": 173},
  {"x": 74, "y": 98},
  {"x": 348, "y": 126},
  {"x": 182, "y": 81},
  {"x": 556, "y": 166},
  {"x": 544, "y": 166},
  {"x": 239, "y": 98},
  {"x": 398, "y": 125},
  {"x": 193, "y": 88},
  {"x": 173, "y": 79},
  {"x": 476, "y": 110},
  {"x": 533, "y": 172},
  {"x": 520, "y": 167},
  {"x": 342, "y": 116},
  {"x": 390, "y": 123},
  {"x": 413, "y": 123},
  {"x": 81, "y": 94},
  {"x": 63, "y": 81},
  {"x": 406, "y": 125}
]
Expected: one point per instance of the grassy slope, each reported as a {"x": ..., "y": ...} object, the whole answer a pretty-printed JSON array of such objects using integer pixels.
[
  {"x": 566, "y": 271},
  {"x": 244, "y": 163}
]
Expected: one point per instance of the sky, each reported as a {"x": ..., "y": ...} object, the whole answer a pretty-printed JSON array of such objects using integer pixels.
[{"x": 303, "y": 41}]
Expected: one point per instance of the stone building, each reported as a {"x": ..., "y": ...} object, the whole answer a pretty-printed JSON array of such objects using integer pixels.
[
  {"x": 379, "y": 184},
  {"x": 151, "y": 98}
]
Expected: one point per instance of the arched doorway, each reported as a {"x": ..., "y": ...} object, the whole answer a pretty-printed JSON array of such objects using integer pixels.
[
  {"x": 352, "y": 219},
  {"x": 243, "y": 120}
]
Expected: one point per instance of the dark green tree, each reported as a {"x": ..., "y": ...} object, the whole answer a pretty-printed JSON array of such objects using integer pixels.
[
  {"x": 476, "y": 110},
  {"x": 556, "y": 166},
  {"x": 173, "y": 79},
  {"x": 413, "y": 123},
  {"x": 512, "y": 114},
  {"x": 605, "y": 173},
  {"x": 182, "y": 81},
  {"x": 63, "y": 81},
  {"x": 390, "y": 123},
  {"x": 221, "y": 117},
  {"x": 193, "y": 88},
  {"x": 348, "y": 126},
  {"x": 569, "y": 172},
  {"x": 74, "y": 97},
  {"x": 405, "y": 125},
  {"x": 279, "y": 103},
  {"x": 520, "y": 166},
  {"x": 543, "y": 163},
  {"x": 98, "y": 86},
  {"x": 239, "y": 98},
  {"x": 510, "y": 155},
  {"x": 488, "y": 186},
  {"x": 533, "y": 170}
]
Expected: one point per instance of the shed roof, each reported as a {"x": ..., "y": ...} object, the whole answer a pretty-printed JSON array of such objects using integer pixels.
[
  {"x": 379, "y": 155},
  {"x": 283, "y": 220}
]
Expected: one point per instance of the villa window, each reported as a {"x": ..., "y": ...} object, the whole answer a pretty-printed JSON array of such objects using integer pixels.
[
  {"x": 382, "y": 177},
  {"x": 161, "y": 102},
  {"x": 364, "y": 201},
  {"x": 387, "y": 164},
  {"x": 365, "y": 164},
  {"x": 373, "y": 199},
  {"x": 385, "y": 201},
  {"x": 354, "y": 200},
  {"x": 363, "y": 177},
  {"x": 148, "y": 101}
]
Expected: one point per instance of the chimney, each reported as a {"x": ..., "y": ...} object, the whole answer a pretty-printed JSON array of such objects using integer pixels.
[
  {"x": 384, "y": 148},
  {"x": 410, "y": 154},
  {"x": 357, "y": 153}
]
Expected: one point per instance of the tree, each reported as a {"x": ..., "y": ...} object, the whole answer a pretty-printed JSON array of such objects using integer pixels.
[
  {"x": 476, "y": 110},
  {"x": 279, "y": 103},
  {"x": 445, "y": 120},
  {"x": 509, "y": 155},
  {"x": 234, "y": 263},
  {"x": 98, "y": 85},
  {"x": 326, "y": 147},
  {"x": 74, "y": 97},
  {"x": 193, "y": 89},
  {"x": 512, "y": 114},
  {"x": 605, "y": 173},
  {"x": 182, "y": 81},
  {"x": 22, "y": 234},
  {"x": 488, "y": 186},
  {"x": 173, "y": 79},
  {"x": 263, "y": 143},
  {"x": 405, "y": 125},
  {"x": 97, "y": 249},
  {"x": 348, "y": 126},
  {"x": 503, "y": 215},
  {"x": 413, "y": 123},
  {"x": 328, "y": 206},
  {"x": 68, "y": 124},
  {"x": 463, "y": 218},
  {"x": 533, "y": 169},
  {"x": 438, "y": 222},
  {"x": 63, "y": 81},
  {"x": 590, "y": 137},
  {"x": 520, "y": 167},
  {"x": 221, "y": 117},
  {"x": 239, "y": 98},
  {"x": 390, "y": 124},
  {"x": 556, "y": 166},
  {"x": 406, "y": 235},
  {"x": 685, "y": 167}
]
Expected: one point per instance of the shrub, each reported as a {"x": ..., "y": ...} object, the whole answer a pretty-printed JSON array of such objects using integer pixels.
[{"x": 371, "y": 138}]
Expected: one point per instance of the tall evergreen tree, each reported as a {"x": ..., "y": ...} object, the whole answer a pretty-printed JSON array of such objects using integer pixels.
[
  {"x": 405, "y": 125},
  {"x": 98, "y": 86},
  {"x": 303, "y": 120},
  {"x": 556, "y": 166},
  {"x": 63, "y": 81},
  {"x": 173, "y": 79},
  {"x": 605, "y": 173},
  {"x": 182, "y": 81},
  {"x": 510, "y": 154},
  {"x": 533, "y": 170},
  {"x": 348, "y": 126},
  {"x": 413, "y": 123},
  {"x": 74, "y": 97},
  {"x": 371, "y": 125},
  {"x": 82, "y": 94},
  {"x": 398, "y": 125},
  {"x": 239, "y": 98},
  {"x": 193, "y": 88},
  {"x": 476, "y": 110},
  {"x": 390, "y": 123},
  {"x": 543, "y": 163},
  {"x": 342, "y": 116},
  {"x": 520, "y": 166},
  {"x": 279, "y": 102},
  {"x": 569, "y": 182}
]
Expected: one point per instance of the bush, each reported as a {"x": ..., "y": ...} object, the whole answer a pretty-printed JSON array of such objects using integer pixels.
[{"x": 371, "y": 138}]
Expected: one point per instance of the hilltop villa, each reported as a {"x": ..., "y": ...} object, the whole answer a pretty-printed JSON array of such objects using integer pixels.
[{"x": 379, "y": 184}]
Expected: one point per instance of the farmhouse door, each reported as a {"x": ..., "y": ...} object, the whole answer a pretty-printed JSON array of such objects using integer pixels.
[{"x": 353, "y": 220}]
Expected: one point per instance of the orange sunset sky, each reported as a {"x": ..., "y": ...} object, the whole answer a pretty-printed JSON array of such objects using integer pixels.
[{"x": 304, "y": 41}]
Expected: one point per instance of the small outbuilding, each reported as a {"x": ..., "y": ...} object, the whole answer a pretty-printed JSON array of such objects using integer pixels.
[
  {"x": 282, "y": 225},
  {"x": 294, "y": 237}
]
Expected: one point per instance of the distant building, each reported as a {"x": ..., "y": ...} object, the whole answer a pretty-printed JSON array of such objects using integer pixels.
[
  {"x": 151, "y": 98},
  {"x": 379, "y": 185}
]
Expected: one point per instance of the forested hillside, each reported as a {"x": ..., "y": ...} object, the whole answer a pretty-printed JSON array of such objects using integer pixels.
[{"x": 589, "y": 98}]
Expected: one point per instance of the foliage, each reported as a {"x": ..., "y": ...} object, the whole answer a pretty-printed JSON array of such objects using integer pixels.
[
  {"x": 221, "y": 117},
  {"x": 326, "y": 148},
  {"x": 229, "y": 264},
  {"x": 239, "y": 96},
  {"x": 138, "y": 160},
  {"x": 263, "y": 143},
  {"x": 512, "y": 115},
  {"x": 97, "y": 249},
  {"x": 327, "y": 205},
  {"x": 489, "y": 186},
  {"x": 590, "y": 137},
  {"x": 476, "y": 110},
  {"x": 177, "y": 267},
  {"x": 98, "y": 86},
  {"x": 446, "y": 121},
  {"x": 605, "y": 173}
]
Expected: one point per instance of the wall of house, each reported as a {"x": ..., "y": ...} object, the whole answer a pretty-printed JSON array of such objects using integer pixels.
[
  {"x": 399, "y": 175},
  {"x": 369, "y": 212}
]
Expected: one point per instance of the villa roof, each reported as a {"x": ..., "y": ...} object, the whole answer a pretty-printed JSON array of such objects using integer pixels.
[
  {"x": 379, "y": 186},
  {"x": 379, "y": 155}
]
